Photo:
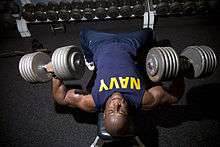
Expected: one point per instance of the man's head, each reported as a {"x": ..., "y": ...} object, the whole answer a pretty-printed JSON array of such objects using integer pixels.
[{"x": 117, "y": 119}]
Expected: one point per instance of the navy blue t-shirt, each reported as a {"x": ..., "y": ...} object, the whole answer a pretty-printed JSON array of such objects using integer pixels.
[{"x": 113, "y": 55}]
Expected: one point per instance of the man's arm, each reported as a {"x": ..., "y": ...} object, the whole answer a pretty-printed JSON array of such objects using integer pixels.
[
  {"x": 158, "y": 95},
  {"x": 71, "y": 98}
]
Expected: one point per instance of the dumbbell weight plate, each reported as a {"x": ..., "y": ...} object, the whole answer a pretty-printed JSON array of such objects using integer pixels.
[
  {"x": 31, "y": 67},
  {"x": 41, "y": 16},
  {"x": 170, "y": 63},
  {"x": 166, "y": 63},
  {"x": 138, "y": 10},
  {"x": 68, "y": 63},
  {"x": 64, "y": 15},
  {"x": 113, "y": 12},
  {"x": 100, "y": 12},
  {"x": 77, "y": 64},
  {"x": 88, "y": 13},
  {"x": 212, "y": 60},
  {"x": 22, "y": 68},
  {"x": 52, "y": 15},
  {"x": 175, "y": 62},
  {"x": 162, "y": 64},
  {"x": 34, "y": 67},
  {"x": 197, "y": 59},
  {"x": 206, "y": 61},
  {"x": 155, "y": 64},
  {"x": 125, "y": 11},
  {"x": 76, "y": 14}
]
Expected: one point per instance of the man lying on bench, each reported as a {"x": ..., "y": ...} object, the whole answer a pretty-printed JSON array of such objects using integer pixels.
[{"x": 119, "y": 90}]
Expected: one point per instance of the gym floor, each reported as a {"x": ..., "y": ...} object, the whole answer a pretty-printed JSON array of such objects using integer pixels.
[{"x": 29, "y": 117}]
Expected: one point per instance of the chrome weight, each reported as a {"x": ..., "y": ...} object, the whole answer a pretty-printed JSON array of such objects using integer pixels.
[
  {"x": 31, "y": 67},
  {"x": 162, "y": 64},
  {"x": 175, "y": 60},
  {"x": 202, "y": 59},
  {"x": 155, "y": 64},
  {"x": 211, "y": 60},
  {"x": 213, "y": 57},
  {"x": 68, "y": 63},
  {"x": 171, "y": 61}
]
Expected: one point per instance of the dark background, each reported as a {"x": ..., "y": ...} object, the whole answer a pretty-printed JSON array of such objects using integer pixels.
[{"x": 29, "y": 117}]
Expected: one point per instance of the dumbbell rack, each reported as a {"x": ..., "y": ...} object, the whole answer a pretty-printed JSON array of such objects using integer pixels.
[{"x": 148, "y": 17}]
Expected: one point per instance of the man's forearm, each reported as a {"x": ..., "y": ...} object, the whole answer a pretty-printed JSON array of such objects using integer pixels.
[
  {"x": 74, "y": 98},
  {"x": 59, "y": 91}
]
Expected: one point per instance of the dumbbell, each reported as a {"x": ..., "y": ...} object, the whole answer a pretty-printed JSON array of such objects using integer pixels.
[
  {"x": 52, "y": 15},
  {"x": 66, "y": 61},
  {"x": 88, "y": 12},
  {"x": 76, "y": 14},
  {"x": 125, "y": 10},
  {"x": 163, "y": 63},
  {"x": 41, "y": 16},
  {"x": 100, "y": 12},
  {"x": 138, "y": 9},
  {"x": 113, "y": 11},
  {"x": 64, "y": 15}
]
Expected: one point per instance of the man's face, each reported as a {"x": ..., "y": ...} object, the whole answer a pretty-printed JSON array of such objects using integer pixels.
[
  {"x": 116, "y": 106},
  {"x": 116, "y": 115}
]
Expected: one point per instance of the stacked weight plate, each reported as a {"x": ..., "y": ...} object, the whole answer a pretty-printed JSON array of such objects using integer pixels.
[
  {"x": 68, "y": 63},
  {"x": 162, "y": 64},
  {"x": 202, "y": 59},
  {"x": 31, "y": 67}
]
